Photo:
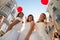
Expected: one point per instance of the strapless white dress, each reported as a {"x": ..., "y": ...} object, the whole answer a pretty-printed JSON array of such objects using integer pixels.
[
  {"x": 25, "y": 31},
  {"x": 14, "y": 33},
  {"x": 34, "y": 35},
  {"x": 41, "y": 27}
]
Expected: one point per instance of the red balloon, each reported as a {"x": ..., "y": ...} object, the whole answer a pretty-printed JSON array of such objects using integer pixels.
[
  {"x": 44, "y": 2},
  {"x": 19, "y": 9}
]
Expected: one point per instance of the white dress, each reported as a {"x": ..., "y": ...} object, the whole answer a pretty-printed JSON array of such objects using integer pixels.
[
  {"x": 56, "y": 38},
  {"x": 34, "y": 35},
  {"x": 25, "y": 31},
  {"x": 41, "y": 27},
  {"x": 14, "y": 33}
]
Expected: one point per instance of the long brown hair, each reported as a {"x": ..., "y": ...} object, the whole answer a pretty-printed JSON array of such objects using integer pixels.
[
  {"x": 19, "y": 13},
  {"x": 29, "y": 16},
  {"x": 44, "y": 17}
]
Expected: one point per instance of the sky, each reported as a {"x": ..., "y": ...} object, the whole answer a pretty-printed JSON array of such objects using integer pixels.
[{"x": 33, "y": 7}]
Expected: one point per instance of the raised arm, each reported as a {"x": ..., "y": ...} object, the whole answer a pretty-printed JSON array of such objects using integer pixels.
[
  {"x": 30, "y": 31},
  {"x": 12, "y": 24}
]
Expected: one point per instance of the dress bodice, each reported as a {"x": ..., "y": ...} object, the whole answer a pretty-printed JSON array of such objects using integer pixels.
[
  {"x": 18, "y": 26},
  {"x": 26, "y": 29},
  {"x": 41, "y": 27}
]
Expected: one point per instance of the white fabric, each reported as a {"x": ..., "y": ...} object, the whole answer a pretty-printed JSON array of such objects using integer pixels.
[
  {"x": 56, "y": 38},
  {"x": 41, "y": 30},
  {"x": 34, "y": 35},
  {"x": 19, "y": 25},
  {"x": 25, "y": 31},
  {"x": 14, "y": 33}
]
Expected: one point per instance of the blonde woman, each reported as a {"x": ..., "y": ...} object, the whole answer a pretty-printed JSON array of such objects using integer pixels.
[{"x": 41, "y": 27}]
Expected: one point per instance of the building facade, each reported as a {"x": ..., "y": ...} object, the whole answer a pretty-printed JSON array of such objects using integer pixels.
[
  {"x": 9, "y": 11},
  {"x": 54, "y": 10}
]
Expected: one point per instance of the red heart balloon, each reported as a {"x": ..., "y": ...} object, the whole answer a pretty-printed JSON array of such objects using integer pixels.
[
  {"x": 44, "y": 2},
  {"x": 19, "y": 9}
]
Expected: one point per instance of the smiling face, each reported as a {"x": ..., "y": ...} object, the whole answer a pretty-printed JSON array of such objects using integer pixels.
[
  {"x": 20, "y": 15},
  {"x": 30, "y": 18},
  {"x": 42, "y": 17}
]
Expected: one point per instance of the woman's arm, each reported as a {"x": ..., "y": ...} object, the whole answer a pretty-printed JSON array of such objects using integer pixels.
[
  {"x": 30, "y": 31},
  {"x": 12, "y": 24}
]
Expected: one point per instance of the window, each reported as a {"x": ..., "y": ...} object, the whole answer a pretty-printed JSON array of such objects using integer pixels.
[
  {"x": 57, "y": 0},
  {"x": 10, "y": 5},
  {"x": 58, "y": 17},
  {"x": 54, "y": 8}
]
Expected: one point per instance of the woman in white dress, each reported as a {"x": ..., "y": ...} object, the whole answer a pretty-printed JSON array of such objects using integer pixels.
[
  {"x": 28, "y": 33},
  {"x": 29, "y": 24},
  {"x": 41, "y": 27},
  {"x": 14, "y": 28}
]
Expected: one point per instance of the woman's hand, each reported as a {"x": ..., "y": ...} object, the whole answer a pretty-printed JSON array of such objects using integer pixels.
[
  {"x": 12, "y": 25},
  {"x": 27, "y": 38},
  {"x": 32, "y": 23},
  {"x": 30, "y": 31}
]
